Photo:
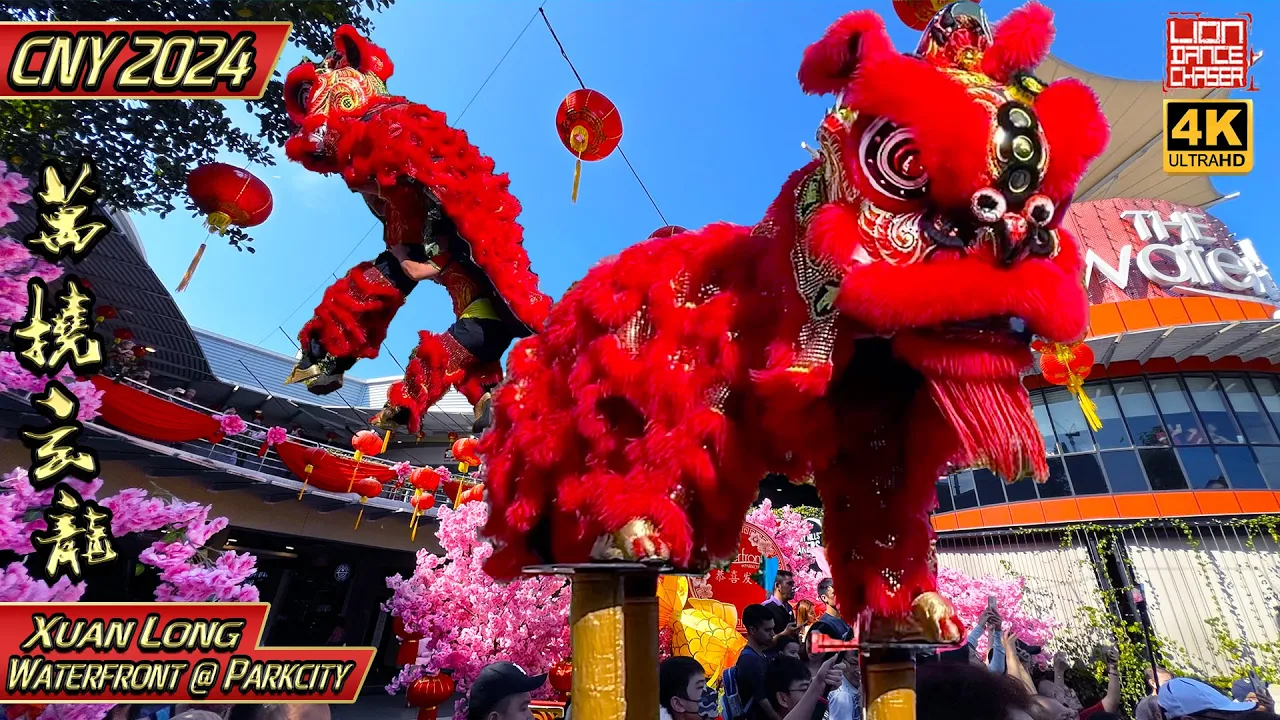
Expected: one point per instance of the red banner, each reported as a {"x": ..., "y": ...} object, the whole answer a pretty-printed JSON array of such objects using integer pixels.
[
  {"x": 178, "y": 652},
  {"x": 114, "y": 60}
]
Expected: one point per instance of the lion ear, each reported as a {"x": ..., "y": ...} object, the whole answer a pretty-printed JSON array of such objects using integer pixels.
[
  {"x": 359, "y": 53},
  {"x": 830, "y": 63},
  {"x": 1021, "y": 42}
]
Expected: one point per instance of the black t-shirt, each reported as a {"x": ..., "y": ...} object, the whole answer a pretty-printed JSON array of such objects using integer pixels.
[
  {"x": 751, "y": 669},
  {"x": 782, "y": 614},
  {"x": 832, "y": 627}
]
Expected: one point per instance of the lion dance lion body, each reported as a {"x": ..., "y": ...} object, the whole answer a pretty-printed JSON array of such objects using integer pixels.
[
  {"x": 868, "y": 333},
  {"x": 441, "y": 204}
]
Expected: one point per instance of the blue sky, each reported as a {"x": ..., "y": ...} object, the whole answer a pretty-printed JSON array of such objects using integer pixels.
[{"x": 713, "y": 122}]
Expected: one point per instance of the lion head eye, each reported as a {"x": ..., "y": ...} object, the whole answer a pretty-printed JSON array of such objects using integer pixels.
[{"x": 890, "y": 161}]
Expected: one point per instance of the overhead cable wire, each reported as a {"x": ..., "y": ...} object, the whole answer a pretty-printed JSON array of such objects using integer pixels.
[{"x": 583, "y": 85}]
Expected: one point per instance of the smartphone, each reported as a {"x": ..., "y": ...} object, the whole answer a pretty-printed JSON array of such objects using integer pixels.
[{"x": 991, "y": 603}]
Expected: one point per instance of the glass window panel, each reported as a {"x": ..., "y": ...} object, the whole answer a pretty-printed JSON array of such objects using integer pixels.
[
  {"x": 1024, "y": 489},
  {"x": 1269, "y": 390},
  {"x": 944, "y": 496},
  {"x": 990, "y": 491},
  {"x": 1162, "y": 469},
  {"x": 1041, "y": 414},
  {"x": 1140, "y": 412},
  {"x": 1068, "y": 419},
  {"x": 1057, "y": 485},
  {"x": 1203, "y": 472},
  {"x": 1181, "y": 422},
  {"x": 1086, "y": 474},
  {"x": 1248, "y": 410},
  {"x": 1242, "y": 469},
  {"x": 1269, "y": 462},
  {"x": 1113, "y": 434},
  {"x": 963, "y": 491},
  {"x": 1219, "y": 425},
  {"x": 1124, "y": 472}
]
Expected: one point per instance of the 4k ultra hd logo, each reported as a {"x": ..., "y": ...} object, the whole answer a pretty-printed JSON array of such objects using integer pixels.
[
  {"x": 1208, "y": 137},
  {"x": 155, "y": 60},
  {"x": 1207, "y": 53}
]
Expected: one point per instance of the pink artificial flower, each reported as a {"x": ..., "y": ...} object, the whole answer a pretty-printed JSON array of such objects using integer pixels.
[
  {"x": 525, "y": 621},
  {"x": 231, "y": 423},
  {"x": 789, "y": 532},
  {"x": 403, "y": 471},
  {"x": 277, "y": 435}
]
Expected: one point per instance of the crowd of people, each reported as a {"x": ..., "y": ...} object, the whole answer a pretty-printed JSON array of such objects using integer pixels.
[{"x": 775, "y": 678}]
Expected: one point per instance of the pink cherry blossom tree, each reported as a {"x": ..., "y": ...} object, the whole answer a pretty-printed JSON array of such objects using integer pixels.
[
  {"x": 188, "y": 571},
  {"x": 969, "y": 596},
  {"x": 788, "y": 530},
  {"x": 468, "y": 619}
]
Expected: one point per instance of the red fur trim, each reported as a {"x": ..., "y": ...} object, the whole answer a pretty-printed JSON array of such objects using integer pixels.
[
  {"x": 362, "y": 54},
  {"x": 1045, "y": 293},
  {"x": 426, "y": 379},
  {"x": 951, "y": 131},
  {"x": 293, "y": 104},
  {"x": 476, "y": 377},
  {"x": 416, "y": 141},
  {"x": 831, "y": 62},
  {"x": 1077, "y": 133},
  {"x": 353, "y": 315},
  {"x": 1021, "y": 42}
]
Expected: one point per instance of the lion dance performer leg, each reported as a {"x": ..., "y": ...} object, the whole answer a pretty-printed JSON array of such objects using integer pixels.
[
  {"x": 868, "y": 333},
  {"x": 447, "y": 218}
]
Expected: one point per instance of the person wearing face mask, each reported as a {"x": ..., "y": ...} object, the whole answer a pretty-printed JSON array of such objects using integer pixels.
[{"x": 682, "y": 690}]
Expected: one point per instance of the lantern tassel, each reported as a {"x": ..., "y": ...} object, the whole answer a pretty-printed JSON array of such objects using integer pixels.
[
  {"x": 355, "y": 470},
  {"x": 361, "y": 515},
  {"x": 1087, "y": 405},
  {"x": 191, "y": 269},
  {"x": 305, "y": 480},
  {"x": 577, "y": 177},
  {"x": 386, "y": 440}
]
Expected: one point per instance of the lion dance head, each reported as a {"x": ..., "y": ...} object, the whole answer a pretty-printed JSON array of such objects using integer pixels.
[
  {"x": 346, "y": 85},
  {"x": 869, "y": 333}
]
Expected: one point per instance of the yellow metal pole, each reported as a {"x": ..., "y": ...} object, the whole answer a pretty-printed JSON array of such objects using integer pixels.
[
  {"x": 597, "y": 632},
  {"x": 889, "y": 685},
  {"x": 640, "y": 619}
]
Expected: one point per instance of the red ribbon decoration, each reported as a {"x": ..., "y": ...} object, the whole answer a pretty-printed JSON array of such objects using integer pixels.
[
  {"x": 328, "y": 471},
  {"x": 151, "y": 417}
]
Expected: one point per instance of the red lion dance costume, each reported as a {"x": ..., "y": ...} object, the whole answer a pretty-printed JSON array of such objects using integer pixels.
[
  {"x": 868, "y": 333},
  {"x": 444, "y": 211}
]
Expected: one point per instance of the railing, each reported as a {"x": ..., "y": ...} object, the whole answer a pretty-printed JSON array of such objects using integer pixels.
[{"x": 242, "y": 450}]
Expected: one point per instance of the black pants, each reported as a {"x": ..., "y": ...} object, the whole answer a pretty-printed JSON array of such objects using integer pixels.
[{"x": 486, "y": 340}]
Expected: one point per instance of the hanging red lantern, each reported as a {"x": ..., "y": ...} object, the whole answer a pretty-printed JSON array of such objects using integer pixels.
[
  {"x": 139, "y": 352},
  {"x": 667, "y": 231},
  {"x": 916, "y": 14},
  {"x": 407, "y": 653},
  {"x": 366, "y": 488},
  {"x": 560, "y": 677},
  {"x": 590, "y": 127},
  {"x": 1068, "y": 364},
  {"x": 228, "y": 196},
  {"x": 425, "y": 479},
  {"x": 122, "y": 334},
  {"x": 470, "y": 492},
  {"x": 366, "y": 443},
  {"x": 105, "y": 313},
  {"x": 453, "y": 436},
  {"x": 465, "y": 452},
  {"x": 423, "y": 502},
  {"x": 427, "y": 693}
]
